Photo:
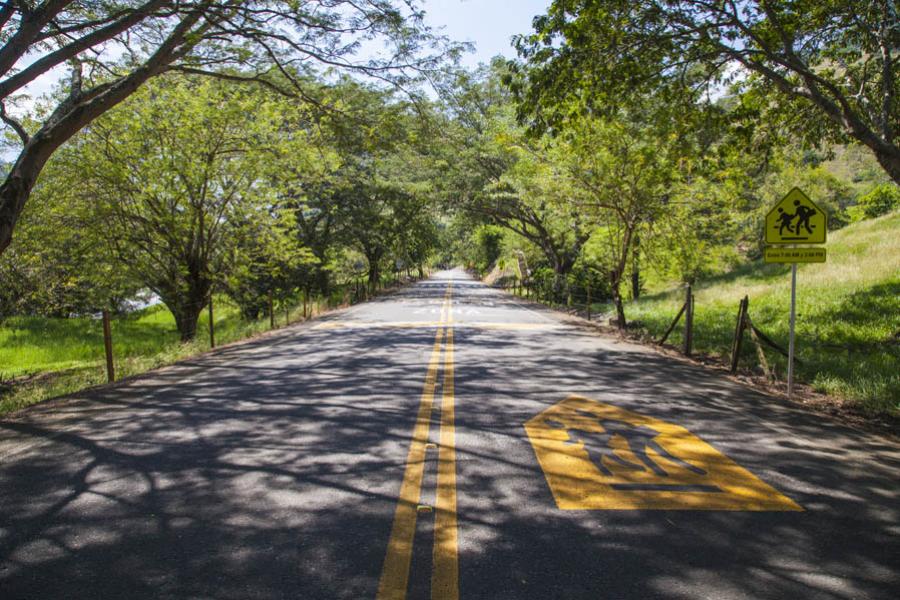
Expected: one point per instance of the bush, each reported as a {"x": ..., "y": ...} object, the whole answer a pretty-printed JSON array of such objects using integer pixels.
[
  {"x": 488, "y": 239},
  {"x": 880, "y": 201}
]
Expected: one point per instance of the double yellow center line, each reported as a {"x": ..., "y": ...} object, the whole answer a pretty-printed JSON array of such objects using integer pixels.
[{"x": 445, "y": 558}]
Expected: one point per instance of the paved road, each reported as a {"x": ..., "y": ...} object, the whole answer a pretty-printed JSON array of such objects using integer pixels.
[{"x": 442, "y": 442}]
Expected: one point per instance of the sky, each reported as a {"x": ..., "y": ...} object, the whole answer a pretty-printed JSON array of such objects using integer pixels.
[{"x": 490, "y": 24}]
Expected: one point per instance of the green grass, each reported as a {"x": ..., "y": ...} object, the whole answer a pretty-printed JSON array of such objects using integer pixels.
[
  {"x": 848, "y": 314},
  {"x": 41, "y": 357}
]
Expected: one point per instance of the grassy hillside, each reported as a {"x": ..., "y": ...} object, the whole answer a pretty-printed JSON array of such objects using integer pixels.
[{"x": 848, "y": 324}]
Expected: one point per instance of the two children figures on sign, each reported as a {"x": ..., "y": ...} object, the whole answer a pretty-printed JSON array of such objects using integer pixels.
[
  {"x": 802, "y": 214},
  {"x": 796, "y": 220}
]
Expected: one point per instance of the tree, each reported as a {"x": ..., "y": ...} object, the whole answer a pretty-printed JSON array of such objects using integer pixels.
[
  {"x": 374, "y": 217},
  {"x": 623, "y": 169},
  {"x": 327, "y": 202},
  {"x": 418, "y": 238},
  {"x": 487, "y": 243},
  {"x": 112, "y": 48},
  {"x": 59, "y": 265},
  {"x": 536, "y": 201},
  {"x": 265, "y": 259},
  {"x": 832, "y": 61},
  {"x": 375, "y": 199},
  {"x": 169, "y": 176},
  {"x": 302, "y": 172}
]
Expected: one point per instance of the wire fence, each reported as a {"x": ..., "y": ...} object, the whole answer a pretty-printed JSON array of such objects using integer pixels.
[
  {"x": 281, "y": 308},
  {"x": 581, "y": 301}
]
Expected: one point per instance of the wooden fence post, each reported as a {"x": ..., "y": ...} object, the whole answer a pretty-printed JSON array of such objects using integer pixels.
[
  {"x": 739, "y": 333},
  {"x": 107, "y": 344},
  {"x": 212, "y": 327},
  {"x": 271, "y": 311},
  {"x": 688, "y": 321}
]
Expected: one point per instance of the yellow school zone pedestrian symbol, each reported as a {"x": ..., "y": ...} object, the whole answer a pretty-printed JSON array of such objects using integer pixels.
[
  {"x": 597, "y": 456},
  {"x": 796, "y": 220}
]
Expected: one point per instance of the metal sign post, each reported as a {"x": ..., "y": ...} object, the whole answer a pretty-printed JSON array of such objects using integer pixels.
[
  {"x": 790, "y": 375},
  {"x": 795, "y": 219}
]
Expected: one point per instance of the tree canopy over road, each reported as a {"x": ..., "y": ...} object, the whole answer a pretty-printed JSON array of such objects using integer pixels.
[
  {"x": 112, "y": 48},
  {"x": 826, "y": 67},
  {"x": 286, "y": 150}
]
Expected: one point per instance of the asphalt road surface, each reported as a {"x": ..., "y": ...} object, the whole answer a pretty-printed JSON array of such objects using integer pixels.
[{"x": 443, "y": 442}]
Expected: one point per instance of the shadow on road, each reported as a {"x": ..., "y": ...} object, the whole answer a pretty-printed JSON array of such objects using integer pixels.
[{"x": 270, "y": 470}]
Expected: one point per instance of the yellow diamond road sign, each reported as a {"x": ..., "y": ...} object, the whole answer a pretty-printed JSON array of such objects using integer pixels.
[
  {"x": 598, "y": 456},
  {"x": 796, "y": 220}
]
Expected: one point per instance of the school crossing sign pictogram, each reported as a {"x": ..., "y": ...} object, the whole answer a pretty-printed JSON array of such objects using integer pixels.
[
  {"x": 597, "y": 456},
  {"x": 796, "y": 220}
]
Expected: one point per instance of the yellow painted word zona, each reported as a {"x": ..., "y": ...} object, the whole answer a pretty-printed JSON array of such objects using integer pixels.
[
  {"x": 796, "y": 220},
  {"x": 597, "y": 456},
  {"x": 795, "y": 255}
]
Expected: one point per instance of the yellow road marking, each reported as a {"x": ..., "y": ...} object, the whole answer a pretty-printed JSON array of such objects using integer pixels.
[
  {"x": 395, "y": 572},
  {"x": 598, "y": 456},
  {"x": 445, "y": 576},
  {"x": 429, "y": 324}
]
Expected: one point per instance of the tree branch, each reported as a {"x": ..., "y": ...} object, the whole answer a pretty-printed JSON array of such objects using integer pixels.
[{"x": 17, "y": 127}]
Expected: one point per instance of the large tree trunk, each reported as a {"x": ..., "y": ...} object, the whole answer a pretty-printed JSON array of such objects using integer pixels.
[
  {"x": 615, "y": 284},
  {"x": 186, "y": 312},
  {"x": 186, "y": 300},
  {"x": 186, "y": 317},
  {"x": 16, "y": 189},
  {"x": 618, "y": 272},
  {"x": 374, "y": 275},
  {"x": 890, "y": 162}
]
